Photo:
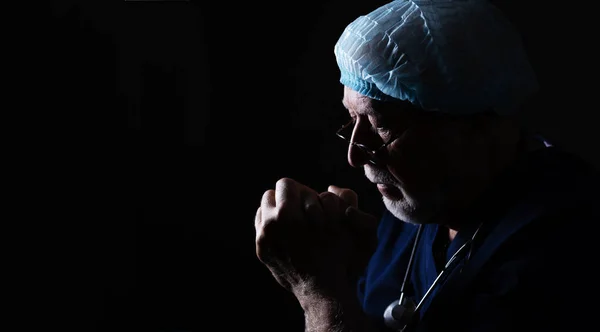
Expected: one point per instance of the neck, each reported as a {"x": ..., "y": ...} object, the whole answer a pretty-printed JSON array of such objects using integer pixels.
[
  {"x": 499, "y": 153},
  {"x": 452, "y": 233}
]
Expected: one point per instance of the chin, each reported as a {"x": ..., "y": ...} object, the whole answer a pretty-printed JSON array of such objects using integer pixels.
[
  {"x": 415, "y": 211},
  {"x": 405, "y": 202}
]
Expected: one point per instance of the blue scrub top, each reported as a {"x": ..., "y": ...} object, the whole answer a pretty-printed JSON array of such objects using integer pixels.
[{"x": 529, "y": 267}]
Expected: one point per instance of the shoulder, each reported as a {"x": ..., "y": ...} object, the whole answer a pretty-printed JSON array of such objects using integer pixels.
[
  {"x": 537, "y": 263},
  {"x": 547, "y": 266},
  {"x": 555, "y": 217}
]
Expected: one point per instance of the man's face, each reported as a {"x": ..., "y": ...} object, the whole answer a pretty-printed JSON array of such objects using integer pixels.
[{"x": 424, "y": 161}]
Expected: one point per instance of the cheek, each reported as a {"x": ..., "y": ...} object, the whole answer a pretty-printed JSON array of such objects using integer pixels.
[{"x": 421, "y": 156}]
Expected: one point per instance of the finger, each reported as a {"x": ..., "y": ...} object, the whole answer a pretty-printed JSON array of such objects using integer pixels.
[
  {"x": 258, "y": 231},
  {"x": 313, "y": 209},
  {"x": 348, "y": 195},
  {"x": 333, "y": 209},
  {"x": 293, "y": 196},
  {"x": 257, "y": 218},
  {"x": 267, "y": 204},
  {"x": 287, "y": 195},
  {"x": 268, "y": 200},
  {"x": 265, "y": 217}
]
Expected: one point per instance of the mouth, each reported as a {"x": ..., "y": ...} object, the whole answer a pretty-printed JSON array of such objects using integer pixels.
[{"x": 389, "y": 191}]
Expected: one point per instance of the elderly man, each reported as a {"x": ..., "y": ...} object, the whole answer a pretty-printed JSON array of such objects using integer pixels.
[{"x": 485, "y": 223}]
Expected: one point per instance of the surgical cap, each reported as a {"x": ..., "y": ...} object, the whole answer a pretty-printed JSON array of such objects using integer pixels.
[{"x": 457, "y": 56}]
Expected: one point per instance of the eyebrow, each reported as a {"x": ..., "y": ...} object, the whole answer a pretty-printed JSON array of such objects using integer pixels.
[{"x": 367, "y": 110}]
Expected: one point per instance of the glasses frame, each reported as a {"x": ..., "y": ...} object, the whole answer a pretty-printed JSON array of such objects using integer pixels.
[{"x": 373, "y": 154}]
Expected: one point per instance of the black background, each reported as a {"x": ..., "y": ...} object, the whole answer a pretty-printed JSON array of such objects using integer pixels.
[{"x": 222, "y": 99}]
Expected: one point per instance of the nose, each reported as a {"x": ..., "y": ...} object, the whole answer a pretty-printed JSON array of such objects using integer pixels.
[{"x": 357, "y": 157}]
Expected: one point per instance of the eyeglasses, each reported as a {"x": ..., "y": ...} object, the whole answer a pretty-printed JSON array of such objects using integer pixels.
[{"x": 345, "y": 132}]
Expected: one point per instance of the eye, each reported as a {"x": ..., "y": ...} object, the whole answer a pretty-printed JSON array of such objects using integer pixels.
[
  {"x": 380, "y": 126},
  {"x": 384, "y": 132},
  {"x": 378, "y": 122}
]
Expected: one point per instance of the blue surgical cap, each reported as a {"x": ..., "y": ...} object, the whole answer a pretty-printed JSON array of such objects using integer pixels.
[{"x": 457, "y": 56}]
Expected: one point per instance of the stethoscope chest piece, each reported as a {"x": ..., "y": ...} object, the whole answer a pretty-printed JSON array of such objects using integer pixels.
[{"x": 398, "y": 315}]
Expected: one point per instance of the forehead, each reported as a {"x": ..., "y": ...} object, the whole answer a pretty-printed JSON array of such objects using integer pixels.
[
  {"x": 356, "y": 102},
  {"x": 360, "y": 104}
]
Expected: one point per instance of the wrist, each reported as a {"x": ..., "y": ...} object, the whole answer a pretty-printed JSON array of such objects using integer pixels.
[
  {"x": 311, "y": 294},
  {"x": 334, "y": 309}
]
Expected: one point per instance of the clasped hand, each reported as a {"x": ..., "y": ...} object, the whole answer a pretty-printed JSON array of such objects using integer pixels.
[{"x": 311, "y": 239}]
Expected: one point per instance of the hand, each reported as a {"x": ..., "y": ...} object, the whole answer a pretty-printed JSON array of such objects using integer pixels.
[
  {"x": 363, "y": 227},
  {"x": 303, "y": 237}
]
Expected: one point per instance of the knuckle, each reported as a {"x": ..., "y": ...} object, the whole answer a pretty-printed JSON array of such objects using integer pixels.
[
  {"x": 329, "y": 200},
  {"x": 267, "y": 194},
  {"x": 263, "y": 245},
  {"x": 333, "y": 189},
  {"x": 311, "y": 208},
  {"x": 328, "y": 195},
  {"x": 285, "y": 182},
  {"x": 346, "y": 192}
]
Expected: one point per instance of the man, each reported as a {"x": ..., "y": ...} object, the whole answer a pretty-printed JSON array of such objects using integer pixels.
[{"x": 487, "y": 227}]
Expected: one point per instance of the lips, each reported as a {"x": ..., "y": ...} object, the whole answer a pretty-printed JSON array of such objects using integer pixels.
[{"x": 389, "y": 191}]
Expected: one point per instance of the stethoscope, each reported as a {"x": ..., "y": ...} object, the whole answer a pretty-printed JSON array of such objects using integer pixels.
[{"x": 399, "y": 314}]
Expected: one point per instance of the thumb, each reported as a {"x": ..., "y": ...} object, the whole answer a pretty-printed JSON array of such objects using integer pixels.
[{"x": 347, "y": 195}]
